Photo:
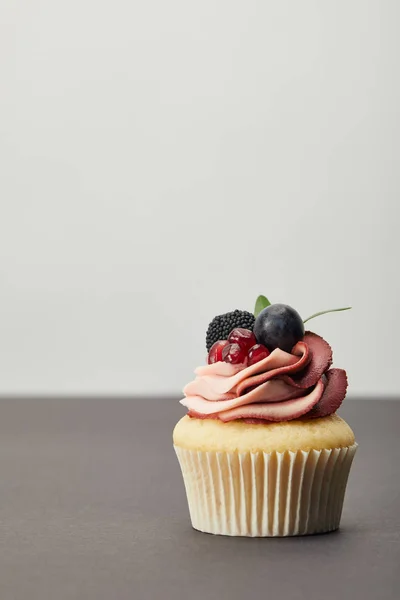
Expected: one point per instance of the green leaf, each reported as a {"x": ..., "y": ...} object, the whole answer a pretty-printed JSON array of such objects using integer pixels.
[
  {"x": 261, "y": 303},
  {"x": 324, "y": 312}
]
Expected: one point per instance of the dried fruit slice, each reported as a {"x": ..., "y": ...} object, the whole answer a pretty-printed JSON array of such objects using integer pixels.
[
  {"x": 320, "y": 361},
  {"x": 334, "y": 394}
]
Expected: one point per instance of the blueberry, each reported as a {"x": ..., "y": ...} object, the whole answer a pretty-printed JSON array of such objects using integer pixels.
[{"x": 279, "y": 326}]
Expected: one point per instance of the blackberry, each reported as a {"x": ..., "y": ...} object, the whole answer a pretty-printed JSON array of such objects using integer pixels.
[{"x": 221, "y": 326}]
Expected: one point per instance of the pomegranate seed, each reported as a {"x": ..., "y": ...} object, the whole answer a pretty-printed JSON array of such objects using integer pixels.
[
  {"x": 244, "y": 337},
  {"x": 215, "y": 354},
  {"x": 256, "y": 353},
  {"x": 234, "y": 354}
]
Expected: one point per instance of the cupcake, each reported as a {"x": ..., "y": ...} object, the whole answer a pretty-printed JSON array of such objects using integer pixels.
[{"x": 262, "y": 451}]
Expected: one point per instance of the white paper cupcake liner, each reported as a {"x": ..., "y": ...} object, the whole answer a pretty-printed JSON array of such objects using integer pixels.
[{"x": 266, "y": 494}]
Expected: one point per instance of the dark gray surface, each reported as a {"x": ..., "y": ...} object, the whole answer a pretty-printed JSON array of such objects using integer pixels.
[{"x": 92, "y": 506}]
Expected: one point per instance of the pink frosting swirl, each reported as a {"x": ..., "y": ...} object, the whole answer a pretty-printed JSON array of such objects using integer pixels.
[{"x": 281, "y": 387}]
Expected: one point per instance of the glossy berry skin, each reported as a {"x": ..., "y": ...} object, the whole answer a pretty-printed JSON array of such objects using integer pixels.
[
  {"x": 215, "y": 354},
  {"x": 279, "y": 326},
  {"x": 234, "y": 354},
  {"x": 244, "y": 337},
  {"x": 221, "y": 326},
  {"x": 256, "y": 353}
]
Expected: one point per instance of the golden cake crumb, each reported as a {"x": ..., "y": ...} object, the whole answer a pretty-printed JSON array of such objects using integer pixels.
[{"x": 237, "y": 436}]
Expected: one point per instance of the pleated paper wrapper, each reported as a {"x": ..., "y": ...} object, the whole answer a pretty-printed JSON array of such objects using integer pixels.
[{"x": 266, "y": 494}]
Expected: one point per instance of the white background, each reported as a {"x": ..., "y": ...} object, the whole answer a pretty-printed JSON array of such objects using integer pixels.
[{"x": 165, "y": 161}]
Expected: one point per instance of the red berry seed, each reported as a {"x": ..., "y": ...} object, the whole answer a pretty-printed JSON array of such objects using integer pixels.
[
  {"x": 256, "y": 353},
  {"x": 234, "y": 354},
  {"x": 244, "y": 337},
  {"x": 215, "y": 354}
]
